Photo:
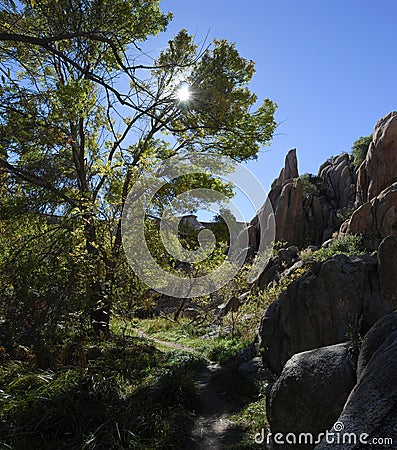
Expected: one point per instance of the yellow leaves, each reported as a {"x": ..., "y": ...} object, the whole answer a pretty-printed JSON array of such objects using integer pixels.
[{"x": 32, "y": 3}]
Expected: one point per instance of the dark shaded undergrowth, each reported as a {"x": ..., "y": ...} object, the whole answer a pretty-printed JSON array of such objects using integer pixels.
[{"x": 119, "y": 393}]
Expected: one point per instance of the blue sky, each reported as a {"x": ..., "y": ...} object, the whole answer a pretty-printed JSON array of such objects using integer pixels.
[{"x": 330, "y": 65}]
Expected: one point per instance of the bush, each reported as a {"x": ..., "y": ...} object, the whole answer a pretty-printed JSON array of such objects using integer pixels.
[
  {"x": 360, "y": 149},
  {"x": 311, "y": 184},
  {"x": 350, "y": 245}
]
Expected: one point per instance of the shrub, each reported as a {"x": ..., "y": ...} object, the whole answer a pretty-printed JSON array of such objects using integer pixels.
[
  {"x": 360, "y": 149},
  {"x": 311, "y": 184},
  {"x": 350, "y": 245}
]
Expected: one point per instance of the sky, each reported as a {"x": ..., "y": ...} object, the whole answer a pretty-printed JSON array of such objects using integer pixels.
[{"x": 330, "y": 65}]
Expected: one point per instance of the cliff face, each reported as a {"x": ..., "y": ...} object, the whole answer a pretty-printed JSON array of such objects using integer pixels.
[
  {"x": 310, "y": 209},
  {"x": 376, "y": 192},
  {"x": 379, "y": 170},
  {"x": 330, "y": 336}
]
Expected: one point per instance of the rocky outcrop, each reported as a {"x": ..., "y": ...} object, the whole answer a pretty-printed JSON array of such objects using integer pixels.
[
  {"x": 379, "y": 170},
  {"x": 322, "y": 307},
  {"x": 376, "y": 219},
  {"x": 316, "y": 383},
  {"x": 304, "y": 216},
  {"x": 372, "y": 405},
  {"x": 304, "y": 334},
  {"x": 286, "y": 198}
]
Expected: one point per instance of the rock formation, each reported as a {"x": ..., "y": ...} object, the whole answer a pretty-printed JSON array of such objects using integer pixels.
[
  {"x": 376, "y": 192},
  {"x": 321, "y": 308},
  {"x": 316, "y": 383},
  {"x": 312, "y": 217},
  {"x": 372, "y": 405},
  {"x": 286, "y": 198},
  {"x": 305, "y": 335},
  {"x": 379, "y": 170},
  {"x": 376, "y": 219}
]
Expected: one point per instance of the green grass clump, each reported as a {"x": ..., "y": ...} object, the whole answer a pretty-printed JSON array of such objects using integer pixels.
[{"x": 222, "y": 349}]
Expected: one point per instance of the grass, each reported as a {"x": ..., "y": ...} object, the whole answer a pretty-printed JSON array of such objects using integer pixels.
[
  {"x": 122, "y": 393},
  {"x": 218, "y": 347},
  {"x": 252, "y": 418}
]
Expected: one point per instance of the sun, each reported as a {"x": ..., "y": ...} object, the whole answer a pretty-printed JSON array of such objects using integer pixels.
[{"x": 183, "y": 93}]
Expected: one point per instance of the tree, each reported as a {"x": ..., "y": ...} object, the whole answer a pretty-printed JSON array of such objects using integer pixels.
[
  {"x": 84, "y": 112},
  {"x": 360, "y": 149}
]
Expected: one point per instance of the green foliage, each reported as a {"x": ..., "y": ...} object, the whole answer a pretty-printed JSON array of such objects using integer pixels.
[
  {"x": 311, "y": 184},
  {"x": 64, "y": 149},
  {"x": 222, "y": 350},
  {"x": 349, "y": 245},
  {"x": 122, "y": 394},
  {"x": 67, "y": 162},
  {"x": 360, "y": 149},
  {"x": 252, "y": 418}
]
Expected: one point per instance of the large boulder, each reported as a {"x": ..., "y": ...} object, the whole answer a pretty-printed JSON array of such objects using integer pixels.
[
  {"x": 311, "y": 391},
  {"x": 372, "y": 405},
  {"x": 379, "y": 170},
  {"x": 322, "y": 308}
]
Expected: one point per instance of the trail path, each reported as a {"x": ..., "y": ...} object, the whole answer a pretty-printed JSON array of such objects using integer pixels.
[{"x": 212, "y": 429}]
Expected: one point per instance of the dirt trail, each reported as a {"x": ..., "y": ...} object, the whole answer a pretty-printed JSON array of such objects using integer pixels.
[
  {"x": 212, "y": 429},
  {"x": 175, "y": 345}
]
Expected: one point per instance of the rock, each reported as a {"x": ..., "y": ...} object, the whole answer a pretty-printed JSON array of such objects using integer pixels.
[
  {"x": 312, "y": 218},
  {"x": 339, "y": 181},
  {"x": 288, "y": 255},
  {"x": 321, "y": 308},
  {"x": 376, "y": 219},
  {"x": 289, "y": 214},
  {"x": 286, "y": 199},
  {"x": 244, "y": 296},
  {"x": 293, "y": 251},
  {"x": 289, "y": 171},
  {"x": 337, "y": 190},
  {"x": 372, "y": 405},
  {"x": 250, "y": 368},
  {"x": 287, "y": 272},
  {"x": 379, "y": 170},
  {"x": 327, "y": 243},
  {"x": 384, "y": 330},
  {"x": 269, "y": 272},
  {"x": 248, "y": 353},
  {"x": 311, "y": 391},
  {"x": 189, "y": 223},
  {"x": 387, "y": 256}
]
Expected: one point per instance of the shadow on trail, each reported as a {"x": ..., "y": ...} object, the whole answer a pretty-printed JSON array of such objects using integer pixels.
[{"x": 212, "y": 429}]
